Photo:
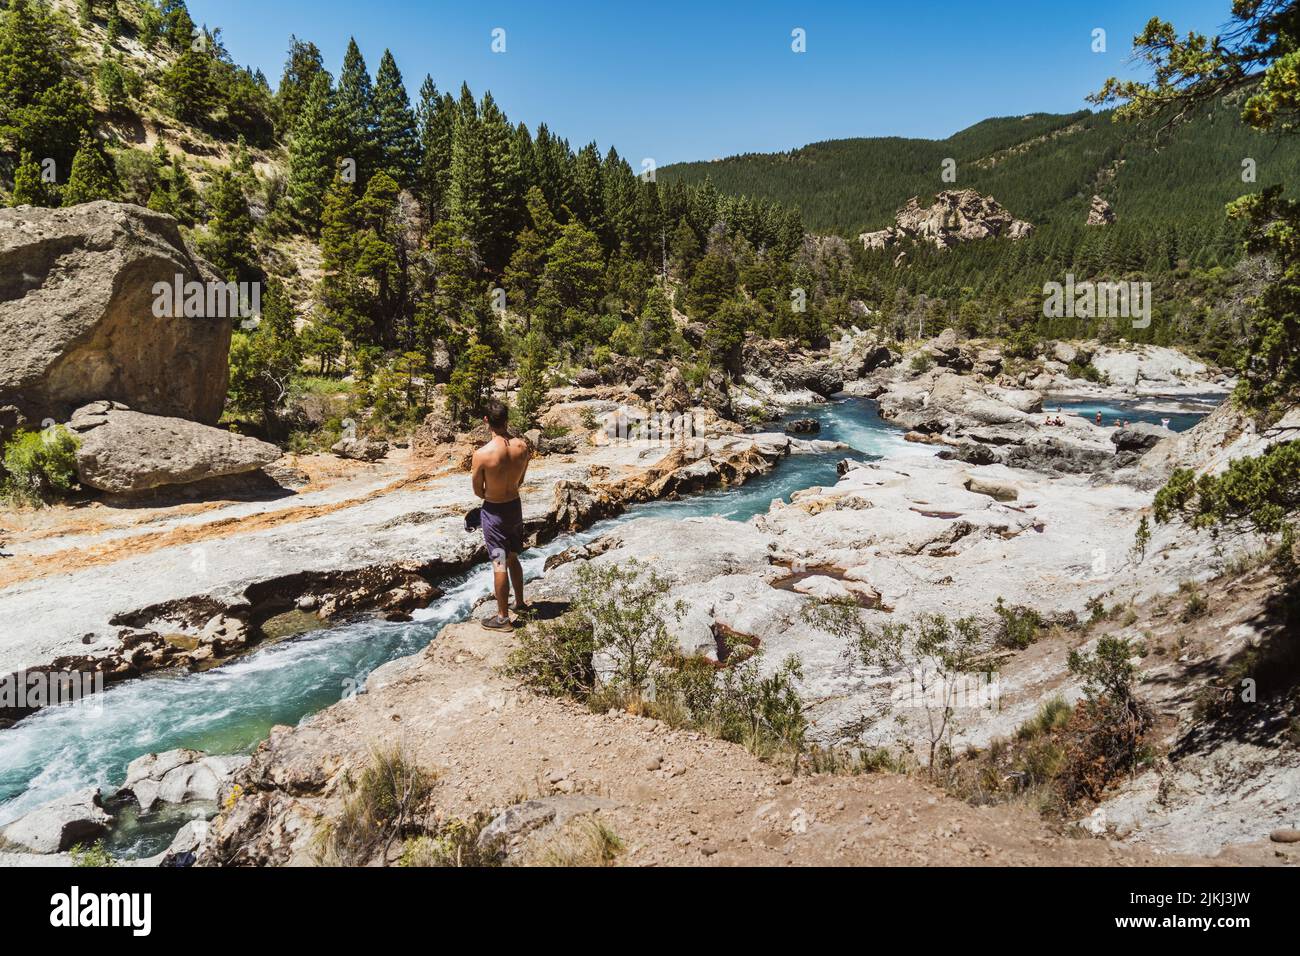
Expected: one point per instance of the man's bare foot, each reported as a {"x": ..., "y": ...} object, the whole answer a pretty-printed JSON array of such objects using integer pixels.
[{"x": 494, "y": 622}]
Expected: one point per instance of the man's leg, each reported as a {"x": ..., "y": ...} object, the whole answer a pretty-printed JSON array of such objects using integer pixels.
[
  {"x": 501, "y": 584},
  {"x": 517, "y": 580}
]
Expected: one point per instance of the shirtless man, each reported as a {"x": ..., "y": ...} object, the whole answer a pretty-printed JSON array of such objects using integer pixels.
[{"x": 497, "y": 472}]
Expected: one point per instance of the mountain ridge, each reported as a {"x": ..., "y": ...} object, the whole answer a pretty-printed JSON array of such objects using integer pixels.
[{"x": 1043, "y": 167}]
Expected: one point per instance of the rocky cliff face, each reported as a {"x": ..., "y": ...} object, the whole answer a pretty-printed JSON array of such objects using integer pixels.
[
  {"x": 77, "y": 321},
  {"x": 956, "y": 216}
]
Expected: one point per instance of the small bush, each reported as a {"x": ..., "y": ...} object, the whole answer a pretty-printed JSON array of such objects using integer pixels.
[
  {"x": 554, "y": 658},
  {"x": 383, "y": 805},
  {"x": 42, "y": 465},
  {"x": 921, "y": 363},
  {"x": 91, "y": 856},
  {"x": 1052, "y": 716},
  {"x": 1105, "y": 733},
  {"x": 1020, "y": 626},
  {"x": 452, "y": 843},
  {"x": 1142, "y": 538},
  {"x": 851, "y": 761},
  {"x": 1196, "y": 604},
  {"x": 1088, "y": 372},
  {"x": 617, "y": 613},
  {"x": 585, "y": 841}
]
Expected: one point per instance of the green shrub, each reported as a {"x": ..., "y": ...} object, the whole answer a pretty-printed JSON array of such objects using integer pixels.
[
  {"x": 1196, "y": 604},
  {"x": 92, "y": 856},
  {"x": 617, "y": 612},
  {"x": 452, "y": 843},
  {"x": 41, "y": 465},
  {"x": 1104, "y": 737},
  {"x": 383, "y": 806},
  {"x": 921, "y": 363},
  {"x": 1020, "y": 626},
  {"x": 1088, "y": 372}
]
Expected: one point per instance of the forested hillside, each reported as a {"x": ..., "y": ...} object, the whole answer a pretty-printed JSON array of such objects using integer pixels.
[
  {"x": 1043, "y": 167},
  {"x": 411, "y": 239},
  {"x": 399, "y": 241},
  {"x": 1168, "y": 191}
]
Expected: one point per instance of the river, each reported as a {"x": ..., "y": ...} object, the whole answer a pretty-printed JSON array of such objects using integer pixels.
[{"x": 231, "y": 708}]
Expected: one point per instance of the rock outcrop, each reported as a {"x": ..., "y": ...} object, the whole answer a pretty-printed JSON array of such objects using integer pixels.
[
  {"x": 178, "y": 776},
  {"x": 956, "y": 216},
  {"x": 124, "y": 451},
  {"x": 1147, "y": 366},
  {"x": 860, "y": 353},
  {"x": 79, "y": 817},
  {"x": 77, "y": 320},
  {"x": 1100, "y": 213},
  {"x": 438, "y": 428}
]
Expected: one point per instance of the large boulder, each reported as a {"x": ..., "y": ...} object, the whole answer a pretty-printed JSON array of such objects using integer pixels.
[
  {"x": 60, "y": 825},
  {"x": 674, "y": 397},
  {"x": 437, "y": 429},
  {"x": 77, "y": 316},
  {"x": 360, "y": 449},
  {"x": 179, "y": 776},
  {"x": 1149, "y": 366},
  {"x": 124, "y": 451},
  {"x": 1139, "y": 436},
  {"x": 822, "y": 376},
  {"x": 859, "y": 353}
]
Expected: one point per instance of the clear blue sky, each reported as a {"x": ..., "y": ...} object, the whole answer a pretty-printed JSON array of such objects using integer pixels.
[{"x": 678, "y": 80}]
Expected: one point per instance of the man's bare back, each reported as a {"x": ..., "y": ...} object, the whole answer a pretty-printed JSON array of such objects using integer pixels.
[{"x": 499, "y": 467}]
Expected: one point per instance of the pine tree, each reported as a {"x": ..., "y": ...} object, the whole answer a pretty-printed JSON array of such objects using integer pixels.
[
  {"x": 263, "y": 362},
  {"x": 467, "y": 176},
  {"x": 356, "y": 114},
  {"x": 471, "y": 381},
  {"x": 313, "y": 153},
  {"x": 656, "y": 326},
  {"x": 29, "y": 188},
  {"x": 504, "y": 200},
  {"x": 228, "y": 243},
  {"x": 533, "y": 362},
  {"x": 398, "y": 141},
  {"x": 112, "y": 85},
  {"x": 41, "y": 110},
  {"x": 91, "y": 178},
  {"x": 189, "y": 86},
  {"x": 574, "y": 268},
  {"x": 588, "y": 190},
  {"x": 300, "y": 71},
  {"x": 436, "y": 118},
  {"x": 176, "y": 26},
  {"x": 114, "y": 21},
  {"x": 344, "y": 304}
]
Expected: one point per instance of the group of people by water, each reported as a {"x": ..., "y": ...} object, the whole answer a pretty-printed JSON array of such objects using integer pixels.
[{"x": 1058, "y": 422}]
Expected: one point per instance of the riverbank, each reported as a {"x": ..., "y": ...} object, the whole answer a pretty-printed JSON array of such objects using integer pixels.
[{"x": 915, "y": 537}]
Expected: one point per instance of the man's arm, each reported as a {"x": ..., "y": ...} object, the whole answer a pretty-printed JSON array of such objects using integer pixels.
[{"x": 477, "y": 476}]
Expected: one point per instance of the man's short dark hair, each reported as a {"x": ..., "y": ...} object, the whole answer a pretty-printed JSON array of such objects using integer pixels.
[{"x": 497, "y": 413}]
